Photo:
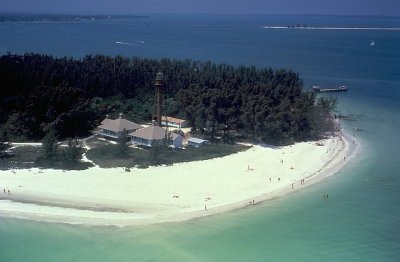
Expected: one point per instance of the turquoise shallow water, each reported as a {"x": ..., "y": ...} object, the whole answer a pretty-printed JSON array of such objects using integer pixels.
[{"x": 359, "y": 222}]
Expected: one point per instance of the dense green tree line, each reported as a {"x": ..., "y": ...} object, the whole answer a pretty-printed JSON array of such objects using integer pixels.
[{"x": 41, "y": 92}]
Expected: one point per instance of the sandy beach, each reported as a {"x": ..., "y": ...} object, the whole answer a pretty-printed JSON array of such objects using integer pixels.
[{"x": 170, "y": 193}]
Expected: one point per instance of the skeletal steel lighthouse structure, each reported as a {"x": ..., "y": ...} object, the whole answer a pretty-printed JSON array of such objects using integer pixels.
[{"x": 158, "y": 99}]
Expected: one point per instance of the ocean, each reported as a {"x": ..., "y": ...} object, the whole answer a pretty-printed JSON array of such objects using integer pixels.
[{"x": 361, "y": 219}]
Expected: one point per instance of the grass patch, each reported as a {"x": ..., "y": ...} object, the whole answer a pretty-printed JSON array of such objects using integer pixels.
[
  {"x": 22, "y": 157},
  {"x": 108, "y": 156},
  {"x": 26, "y": 157},
  {"x": 62, "y": 164}
]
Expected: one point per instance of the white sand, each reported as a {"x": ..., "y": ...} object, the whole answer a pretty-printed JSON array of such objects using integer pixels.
[{"x": 173, "y": 193}]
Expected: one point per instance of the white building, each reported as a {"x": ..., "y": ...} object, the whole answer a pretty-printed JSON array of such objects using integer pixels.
[
  {"x": 147, "y": 135},
  {"x": 196, "y": 142},
  {"x": 114, "y": 127},
  {"x": 174, "y": 122}
]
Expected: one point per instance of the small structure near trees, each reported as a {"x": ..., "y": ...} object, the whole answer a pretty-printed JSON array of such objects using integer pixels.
[
  {"x": 196, "y": 142},
  {"x": 174, "y": 122}
]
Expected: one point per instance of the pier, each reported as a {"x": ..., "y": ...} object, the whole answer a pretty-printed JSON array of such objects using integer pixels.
[{"x": 318, "y": 89}]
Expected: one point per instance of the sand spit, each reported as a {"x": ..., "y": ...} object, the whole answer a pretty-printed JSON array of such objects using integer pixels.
[{"x": 170, "y": 193}]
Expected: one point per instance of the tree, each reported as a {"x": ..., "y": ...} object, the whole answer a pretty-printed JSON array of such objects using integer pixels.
[
  {"x": 73, "y": 150},
  {"x": 122, "y": 141},
  {"x": 156, "y": 148},
  {"x": 327, "y": 103},
  {"x": 3, "y": 144},
  {"x": 321, "y": 122},
  {"x": 72, "y": 95},
  {"x": 50, "y": 145}
]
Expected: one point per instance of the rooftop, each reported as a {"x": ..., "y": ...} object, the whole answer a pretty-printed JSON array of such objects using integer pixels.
[
  {"x": 172, "y": 119},
  {"x": 119, "y": 124},
  {"x": 196, "y": 140},
  {"x": 151, "y": 133}
]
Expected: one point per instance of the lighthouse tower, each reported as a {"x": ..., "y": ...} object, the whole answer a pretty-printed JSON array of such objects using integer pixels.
[{"x": 158, "y": 99}]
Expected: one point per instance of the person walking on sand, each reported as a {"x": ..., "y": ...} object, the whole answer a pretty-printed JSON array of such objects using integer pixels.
[
  {"x": 4, "y": 191},
  {"x": 9, "y": 192}
]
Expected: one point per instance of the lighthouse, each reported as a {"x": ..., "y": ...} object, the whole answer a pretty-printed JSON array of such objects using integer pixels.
[{"x": 158, "y": 99}]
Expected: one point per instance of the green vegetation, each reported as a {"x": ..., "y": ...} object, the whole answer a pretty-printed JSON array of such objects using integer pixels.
[
  {"x": 108, "y": 155},
  {"x": 23, "y": 157},
  {"x": 51, "y": 155},
  {"x": 47, "y": 98},
  {"x": 157, "y": 148},
  {"x": 322, "y": 120},
  {"x": 122, "y": 142},
  {"x": 73, "y": 96},
  {"x": 50, "y": 146},
  {"x": 73, "y": 151},
  {"x": 3, "y": 145}
]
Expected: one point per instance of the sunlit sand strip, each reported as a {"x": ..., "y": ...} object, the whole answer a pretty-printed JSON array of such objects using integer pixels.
[
  {"x": 334, "y": 28},
  {"x": 173, "y": 193}
]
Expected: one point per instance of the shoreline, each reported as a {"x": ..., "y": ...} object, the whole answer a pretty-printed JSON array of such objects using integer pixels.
[
  {"x": 334, "y": 28},
  {"x": 113, "y": 197}
]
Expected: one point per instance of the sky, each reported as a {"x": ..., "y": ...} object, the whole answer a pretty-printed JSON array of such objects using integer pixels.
[{"x": 318, "y": 7}]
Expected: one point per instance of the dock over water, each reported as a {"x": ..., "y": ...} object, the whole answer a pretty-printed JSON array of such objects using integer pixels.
[{"x": 318, "y": 89}]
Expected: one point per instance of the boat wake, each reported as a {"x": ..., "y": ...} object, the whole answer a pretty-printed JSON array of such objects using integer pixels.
[{"x": 127, "y": 43}]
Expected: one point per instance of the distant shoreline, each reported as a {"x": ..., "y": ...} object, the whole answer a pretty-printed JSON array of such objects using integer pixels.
[
  {"x": 334, "y": 28},
  {"x": 112, "y": 197},
  {"x": 12, "y": 18}
]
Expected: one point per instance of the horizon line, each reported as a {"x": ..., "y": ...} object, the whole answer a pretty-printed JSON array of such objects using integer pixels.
[{"x": 191, "y": 13}]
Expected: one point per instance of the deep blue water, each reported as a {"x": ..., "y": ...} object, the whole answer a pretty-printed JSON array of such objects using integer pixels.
[{"x": 360, "y": 222}]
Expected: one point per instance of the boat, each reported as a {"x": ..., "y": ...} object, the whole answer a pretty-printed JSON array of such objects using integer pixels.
[{"x": 372, "y": 43}]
